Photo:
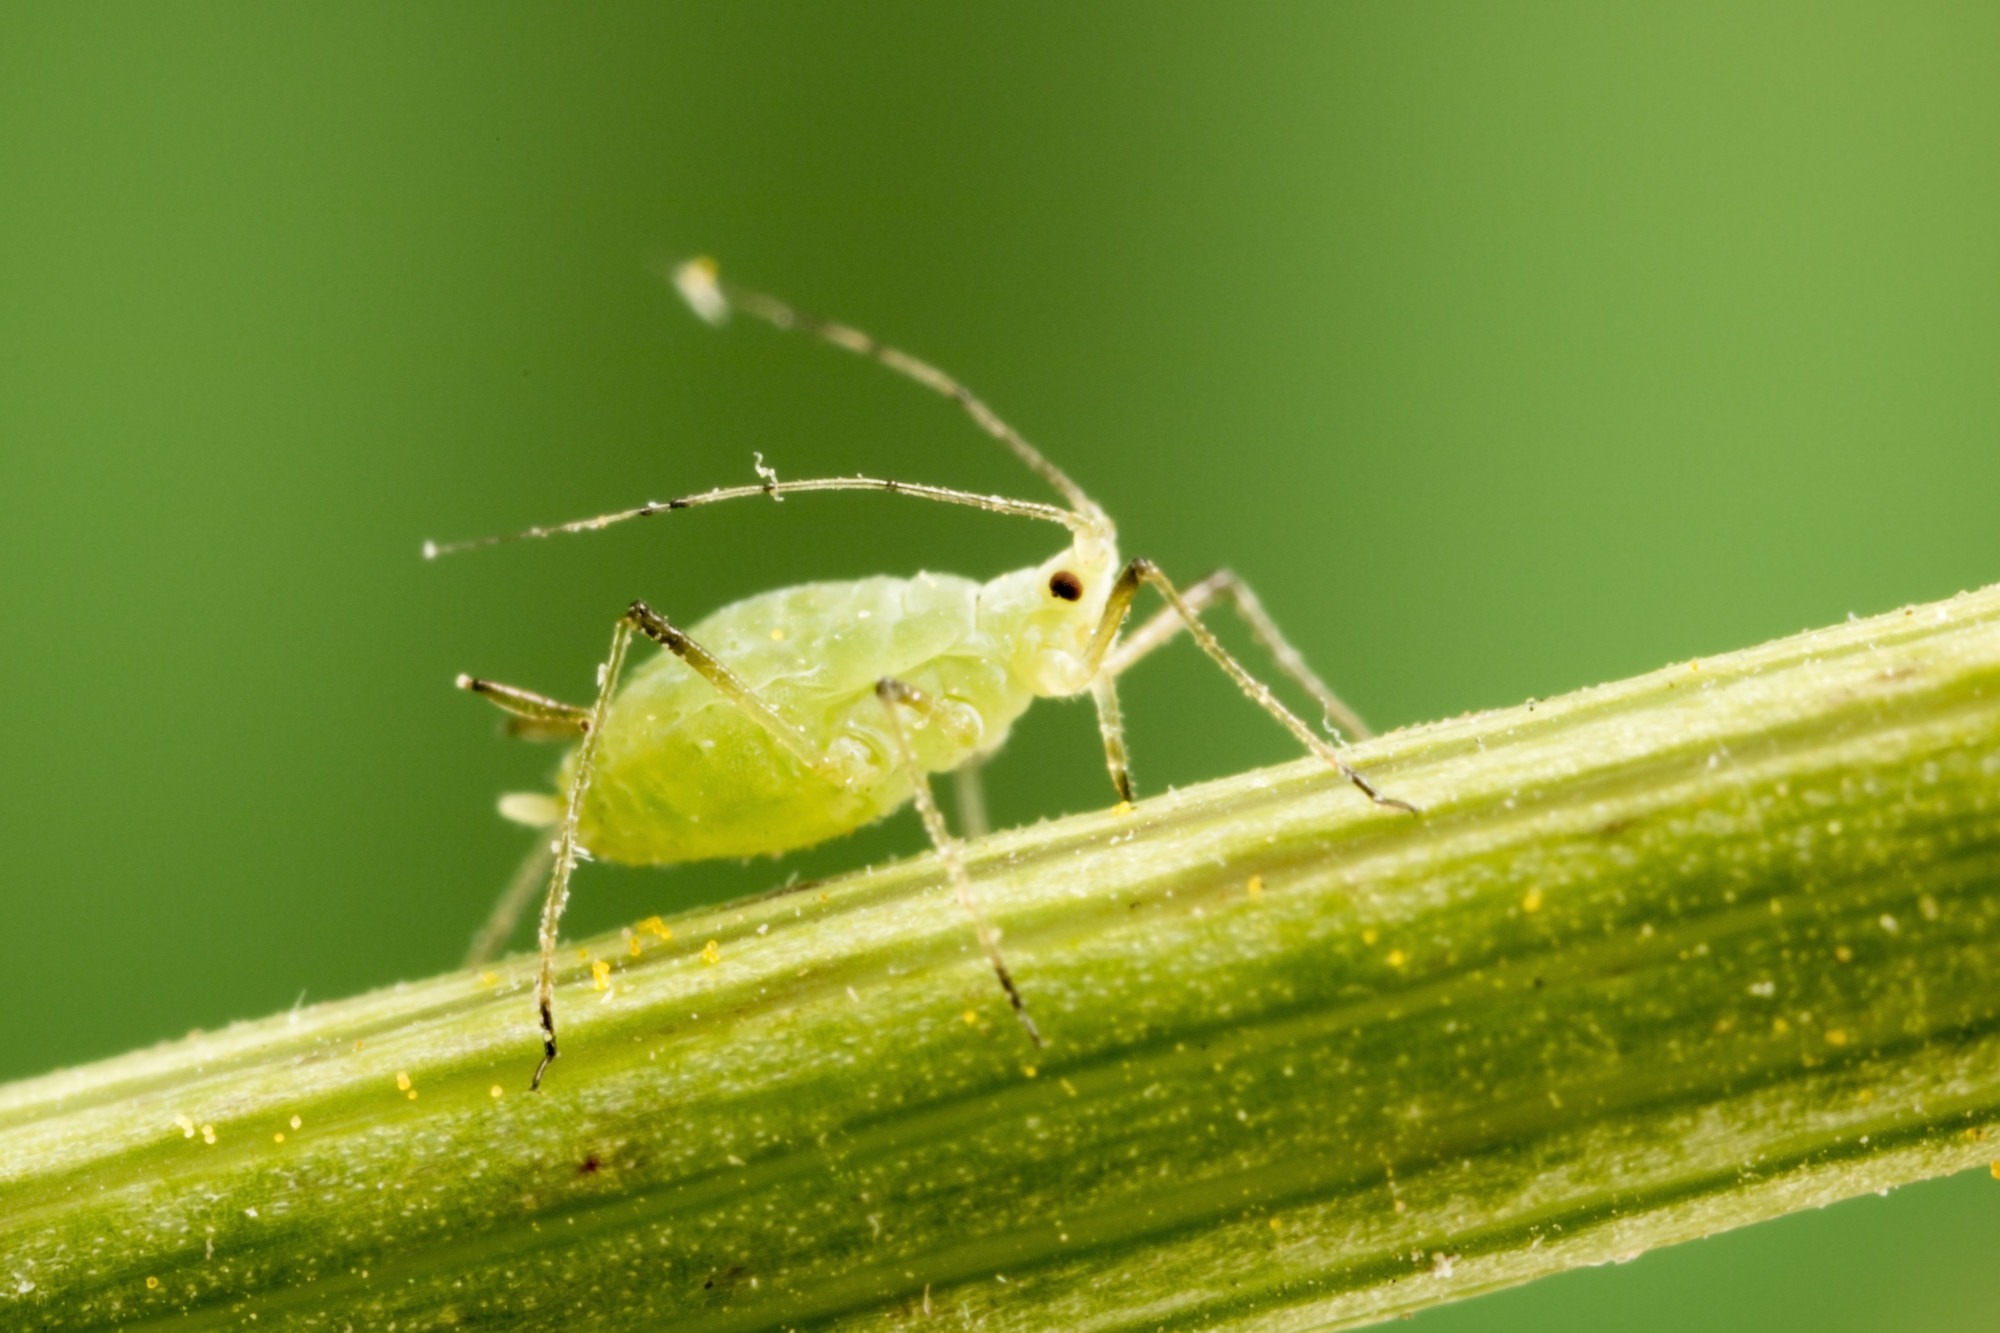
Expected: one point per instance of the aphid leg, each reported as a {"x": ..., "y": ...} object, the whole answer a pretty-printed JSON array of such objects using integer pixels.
[
  {"x": 534, "y": 717},
  {"x": 896, "y": 696},
  {"x": 732, "y": 687},
  {"x": 968, "y": 790},
  {"x": 514, "y": 899},
  {"x": 1142, "y": 572},
  {"x": 1111, "y": 727},
  {"x": 565, "y": 847},
  {"x": 1224, "y": 585}
]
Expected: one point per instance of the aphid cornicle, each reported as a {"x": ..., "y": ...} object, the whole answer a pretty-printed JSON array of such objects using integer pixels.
[{"x": 797, "y": 715}]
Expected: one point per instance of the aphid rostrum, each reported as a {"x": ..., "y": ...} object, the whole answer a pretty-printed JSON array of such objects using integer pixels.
[{"x": 796, "y": 715}]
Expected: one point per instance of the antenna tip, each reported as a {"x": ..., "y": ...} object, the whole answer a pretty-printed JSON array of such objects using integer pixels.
[
  {"x": 430, "y": 550},
  {"x": 698, "y": 283}
]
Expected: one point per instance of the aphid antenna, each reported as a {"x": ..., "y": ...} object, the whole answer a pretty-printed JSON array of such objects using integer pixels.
[
  {"x": 1082, "y": 524},
  {"x": 701, "y": 285},
  {"x": 712, "y": 297}
]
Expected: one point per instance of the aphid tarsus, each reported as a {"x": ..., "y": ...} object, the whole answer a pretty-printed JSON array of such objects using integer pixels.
[{"x": 834, "y": 701}]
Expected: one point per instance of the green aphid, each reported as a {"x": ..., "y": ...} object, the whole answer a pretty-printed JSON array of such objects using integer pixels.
[{"x": 798, "y": 715}]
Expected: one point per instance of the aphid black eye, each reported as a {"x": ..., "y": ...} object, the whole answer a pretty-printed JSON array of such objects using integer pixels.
[{"x": 1066, "y": 585}]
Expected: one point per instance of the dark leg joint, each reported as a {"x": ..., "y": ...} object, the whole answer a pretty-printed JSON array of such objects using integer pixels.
[
  {"x": 548, "y": 1048},
  {"x": 1368, "y": 790},
  {"x": 1020, "y": 1008},
  {"x": 655, "y": 627}
]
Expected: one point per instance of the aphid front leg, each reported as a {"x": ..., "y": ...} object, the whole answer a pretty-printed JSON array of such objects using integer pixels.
[
  {"x": 1224, "y": 585},
  {"x": 1142, "y": 572},
  {"x": 896, "y": 697},
  {"x": 1111, "y": 729}
]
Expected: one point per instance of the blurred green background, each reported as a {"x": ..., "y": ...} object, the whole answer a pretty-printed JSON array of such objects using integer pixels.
[{"x": 1504, "y": 348}]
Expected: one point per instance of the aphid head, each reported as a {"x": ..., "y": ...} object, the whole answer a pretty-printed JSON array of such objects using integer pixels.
[{"x": 1045, "y": 616}]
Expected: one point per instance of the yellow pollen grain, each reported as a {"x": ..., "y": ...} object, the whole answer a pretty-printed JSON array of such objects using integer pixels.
[
  {"x": 1843, "y": 953},
  {"x": 778, "y": 635},
  {"x": 1255, "y": 888},
  {"x": 1531, "y": 901},
  {"x": 208, "y": 1134},
  {"x": 496, "y": 1092},
  {"x": 971, "y": 1017},
  {"x": 402, "y": 1081},
  {"x": 1995, "y": 1169},
  {"x": 1780, "y": 1026},
  {"x": 278, "y": 1137},
  {"x": 185, "y": 1125},
  {"x": 1277, "y": 1225},
  {"x": 600, "y": 975},
  {"x": 1836, "y": 1036},
  {"x": 711, "y": 953},
  {"x": 1029, "y": 1071},
  {"x": 489, "y": 979},
  {"x": 1397, "y": 958},
  {"x": 1369, "y": 936},
  {"x": 657, "y": 928},
  {"x": 632, "y": 945},
  {"x": 583, "y": 955},
  {"x": 297, "y": 1123},
  {"x": 411, "y": 1094},
  {"x": 152, "y": 1284}
]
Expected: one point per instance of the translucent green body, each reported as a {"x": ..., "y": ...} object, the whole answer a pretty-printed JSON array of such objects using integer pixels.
[{"x": 683, "y": 774}]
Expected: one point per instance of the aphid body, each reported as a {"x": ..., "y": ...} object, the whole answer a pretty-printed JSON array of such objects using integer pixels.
[
  {"x": 682, "y": 774},
  {"x": 797, "y": 715}
]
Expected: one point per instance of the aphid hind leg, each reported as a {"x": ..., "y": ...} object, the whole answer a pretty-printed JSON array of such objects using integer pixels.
[
  {"x": 1224, "y": 586},
  {"x": 532, "y": 716},
  {"x": 565, "y": 847},
  {"x": 638, "y": 618},
  {"x": 896, "y": 697},
  {"x": 733, "y": 688},
  {"x": 1142, "y": 572}
]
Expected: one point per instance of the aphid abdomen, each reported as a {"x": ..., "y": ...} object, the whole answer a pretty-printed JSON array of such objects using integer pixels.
[
  {"x": 682, "y": 774},
  {"x": 713, "y": 783}
]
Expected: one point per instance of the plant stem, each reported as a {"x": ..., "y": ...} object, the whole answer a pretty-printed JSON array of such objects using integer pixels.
[{"x": 1658, "y": 959}]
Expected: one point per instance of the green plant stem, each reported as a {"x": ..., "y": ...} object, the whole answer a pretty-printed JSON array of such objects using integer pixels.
[{"x": 1658, "y": 959}]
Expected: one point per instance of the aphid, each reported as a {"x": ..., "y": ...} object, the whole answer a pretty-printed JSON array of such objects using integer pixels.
[{"x": 800, "y": 714}]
